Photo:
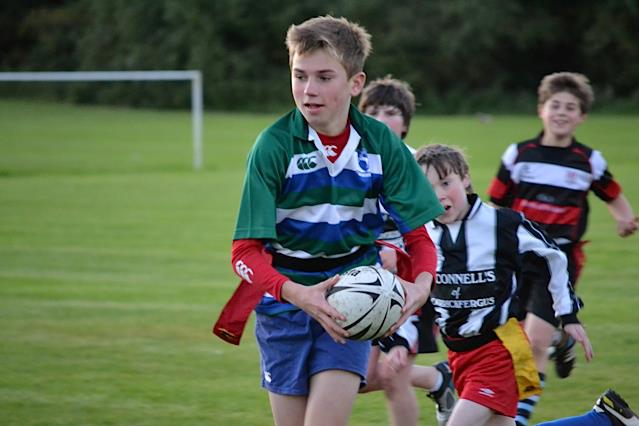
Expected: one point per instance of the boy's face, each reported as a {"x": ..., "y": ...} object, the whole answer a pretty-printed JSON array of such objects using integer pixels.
[
  {"x": 561, "y": 114},
  {"x": 389, "y": 115},
  {"x": 322, "y": 91},
  {"x": 451, "y": 192}
]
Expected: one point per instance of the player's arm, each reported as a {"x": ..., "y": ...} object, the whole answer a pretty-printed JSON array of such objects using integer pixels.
[
  {"x": 534, "y": 241},
  {"x": 578, "y": 333},
  {"x": 608, "y": 189},
  {"x": 253, "y": 264},
  {"x": 423, "y": 257},
  {"x": 406, "y": 336},
  {"x": 500, "y": 191},
  {"x": 621, "y": 210}
]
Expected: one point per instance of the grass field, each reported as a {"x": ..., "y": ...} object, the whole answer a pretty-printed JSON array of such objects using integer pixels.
[{"x": 114, "y": 263}]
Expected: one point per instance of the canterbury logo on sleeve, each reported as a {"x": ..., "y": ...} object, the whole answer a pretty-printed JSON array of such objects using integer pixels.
[{"x": 244, "y": 271}]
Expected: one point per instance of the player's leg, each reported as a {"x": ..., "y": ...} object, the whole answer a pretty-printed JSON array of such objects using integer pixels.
[
  {"x": 540, "y": 326},
  {"x": 331, "y": 399},
  {"x": 373, "y": 381},
  {"x": 564, "y": 355},
  {"x": 471, "y": 413},
  {"x": 395, "y": 374},
  {"x": 442, "y": 392},
  {"x": 540, "y": 322},
  {"x": 589, "y": 419},
  {"x": 287, "y": 410},
  {"x": 285, "y": 343},
  {"x": 436, "y": 380},
  {"x": 400, "y": 395},
  {"x": 337, "y": 371},
  {"x": 564, "y": 352},
  {"x": 485, "y": 380},
  {"x": 540, "y": 333},
  {"x": 425, "y": 377},
  {"x": 609, "y": 410},
  {"x": 616, "y": 409}
]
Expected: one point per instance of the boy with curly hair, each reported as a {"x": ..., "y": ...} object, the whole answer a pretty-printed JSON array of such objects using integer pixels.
[{"x": 548, "y": 179}]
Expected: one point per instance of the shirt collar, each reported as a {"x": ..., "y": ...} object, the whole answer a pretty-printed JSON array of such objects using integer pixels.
[
  {"x": 357, "y": 119},
  {"x": 475, "y": 204}
]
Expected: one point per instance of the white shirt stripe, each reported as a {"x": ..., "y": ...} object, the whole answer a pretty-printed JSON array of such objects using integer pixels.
[
  {"x": 552, "y": 175},
  {"x": 328, "y": 213}
]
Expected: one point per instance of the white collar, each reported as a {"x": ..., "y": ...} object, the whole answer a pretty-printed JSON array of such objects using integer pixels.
[{"x": 335, "y": 168}]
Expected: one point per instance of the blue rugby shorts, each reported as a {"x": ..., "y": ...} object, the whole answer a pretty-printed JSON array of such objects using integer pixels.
[{"x": 293, "y": 347}]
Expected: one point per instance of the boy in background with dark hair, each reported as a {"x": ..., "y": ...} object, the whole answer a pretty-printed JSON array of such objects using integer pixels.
[
  {"x": 310, "y": 211},
  {"x": 548, "y": 178},
  {"x": 392, "y": 102}
]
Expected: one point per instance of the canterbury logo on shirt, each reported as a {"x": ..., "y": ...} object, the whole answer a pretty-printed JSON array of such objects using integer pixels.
[
  {"x": 244, "y": 271},
  {"x": 307, "y": 162}
]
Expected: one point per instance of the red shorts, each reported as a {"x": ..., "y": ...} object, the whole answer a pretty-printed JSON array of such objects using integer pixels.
[{"x": 486, "y": 376}]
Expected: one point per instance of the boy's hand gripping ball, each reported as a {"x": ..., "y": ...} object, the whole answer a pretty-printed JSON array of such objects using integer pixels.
[{"x": 371, "y": 299}]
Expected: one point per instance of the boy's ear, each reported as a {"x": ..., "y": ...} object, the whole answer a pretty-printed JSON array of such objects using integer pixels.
[
  {"x": 466, "y": 181},
  {"x": 357, "y": 83}
]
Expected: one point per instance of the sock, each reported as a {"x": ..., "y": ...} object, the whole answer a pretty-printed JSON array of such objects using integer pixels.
[
  {"x": 438, "y": 383},
  {"x": 526, "y": 407}
]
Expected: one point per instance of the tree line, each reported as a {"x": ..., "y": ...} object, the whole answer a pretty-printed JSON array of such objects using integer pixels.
[{"x": 460, "y": 56}]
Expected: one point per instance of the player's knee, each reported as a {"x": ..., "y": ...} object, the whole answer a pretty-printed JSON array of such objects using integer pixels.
[
  {"x": 373, "y": 383},
  {"x": 539, "y": 345}
]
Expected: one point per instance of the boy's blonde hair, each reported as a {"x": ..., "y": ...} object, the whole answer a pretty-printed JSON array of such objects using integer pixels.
[
  {"x": 445, "y": 160},
  {"x": 348, "y": 42},
  {"x": 574, "y": 83},
  {"x": 390, "y": 91}
]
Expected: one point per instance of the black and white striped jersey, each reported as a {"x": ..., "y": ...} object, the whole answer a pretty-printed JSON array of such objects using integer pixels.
[
  {"x": 550, "y": 185},
  {"x": 478, "y": 262}
]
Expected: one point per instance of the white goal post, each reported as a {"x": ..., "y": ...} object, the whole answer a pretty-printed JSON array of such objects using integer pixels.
[{"x": 195, "y": 76}]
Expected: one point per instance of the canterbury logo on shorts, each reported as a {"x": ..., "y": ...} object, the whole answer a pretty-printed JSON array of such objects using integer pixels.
[
  {"x": 243, "y": 271},
  {"x": 307, "y": 162}
]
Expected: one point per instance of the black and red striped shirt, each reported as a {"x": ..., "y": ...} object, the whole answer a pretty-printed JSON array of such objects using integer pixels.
[{"x": 550, "y": 185}]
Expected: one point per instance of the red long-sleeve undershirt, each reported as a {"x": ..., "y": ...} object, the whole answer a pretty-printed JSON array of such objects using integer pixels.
[
  {"x": 422, "y": 251},
  {"x": 252, "y": 263}
]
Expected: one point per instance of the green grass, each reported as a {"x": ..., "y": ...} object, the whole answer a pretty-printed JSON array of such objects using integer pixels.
[{"x": 114, "y": 263}]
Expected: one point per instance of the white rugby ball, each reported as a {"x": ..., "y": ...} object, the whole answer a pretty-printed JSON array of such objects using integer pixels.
[{"x": 371, "y": 298}]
